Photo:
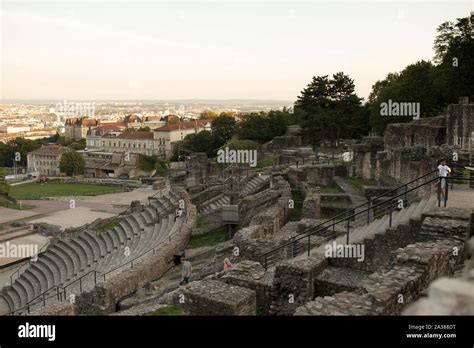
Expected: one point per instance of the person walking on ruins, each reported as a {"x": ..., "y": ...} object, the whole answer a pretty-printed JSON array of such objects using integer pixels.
[
  {"x": 186, "y": 271},
  {"x": 443, "y": 172},
  {"x": 227, "y": 264}
]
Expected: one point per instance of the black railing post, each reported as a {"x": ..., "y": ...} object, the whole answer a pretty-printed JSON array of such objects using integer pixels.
[
  {"x": 446, "y": 191},
  {"x": 391, "y": 211},
  {"x": 347, "y": 235},
  {"x": 368, "y": 212},
  {"x": 309, "y": 244},
  {"x": 80, "y": 284}
]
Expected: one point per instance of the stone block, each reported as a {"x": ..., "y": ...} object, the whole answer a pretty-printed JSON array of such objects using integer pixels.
[{"x": 211, "y": 297}]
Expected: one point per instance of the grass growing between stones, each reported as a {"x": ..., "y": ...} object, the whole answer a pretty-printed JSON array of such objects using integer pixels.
[
  {"x": 167, "y": 311},
  {"x": 359, "y": 183},
  {"x": 16, "y": 206},
  {"x": 262, "y": 311},
  {"x": 295, "y": 213},
  {"x": 109, "y": 225},
  {"x": 201, "y": 221},
  {"x": 333, "y": 188},
  {"x": 212, "y": 238},
  {"x": 266, "y": 162},
  {"x": 57, "y": 189}
]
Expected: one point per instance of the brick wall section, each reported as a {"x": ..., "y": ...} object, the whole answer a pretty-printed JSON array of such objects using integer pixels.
[
  {"x": 413, "y": 268},
  {"x": 104, "y": 297},
  {"x": 251, "y": 275},
  {"x": 211, "y": 297},
  {"x": 55, "y": 308},
  {"x": 295, "y": 279}
]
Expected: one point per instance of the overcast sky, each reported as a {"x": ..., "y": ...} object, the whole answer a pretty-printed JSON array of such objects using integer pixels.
[{"x": 208, "y": 49}]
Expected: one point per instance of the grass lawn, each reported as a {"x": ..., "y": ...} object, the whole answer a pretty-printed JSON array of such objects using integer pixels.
[
  {"x": 201, "y": 221},
  {"x": 215, "y": 237},
  {"x": 109, "y": 225},
  {"x": 57, "y": 189},
  {"x": 360, "y": 183},
  {"x": 295, "y": 213},
  {"x": 171, "y": 310},
  {"x": 266, "y": 162},
  {"x": 8, "y": 204},
  {"x": 333, "y": 188}
]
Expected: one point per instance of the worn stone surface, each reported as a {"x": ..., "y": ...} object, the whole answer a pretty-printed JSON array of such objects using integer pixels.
[
  {"x": 211, "y": 297},
  {"x": 449, "y": 296},
  {"x": 106, "y": 294},
  {"x": 251, "y": 275},
  {"x": 293, "y": 283},
  {"x": 55, "y": 308},
  {"x": 337, "y": 279}
]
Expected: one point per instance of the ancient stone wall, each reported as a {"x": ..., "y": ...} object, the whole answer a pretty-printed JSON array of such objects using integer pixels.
[
  {"x": 317, "y": 175},
  {"x": 364, "y": 156},
  {"x": 293, "y": 284},
  {"x": 460, "y": 125},
  {"x": 211, "y": 297},
  {"x": 106, "y": 294}
]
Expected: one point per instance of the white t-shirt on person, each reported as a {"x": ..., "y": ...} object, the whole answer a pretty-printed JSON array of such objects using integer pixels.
[{"x": 443, "y": 170}]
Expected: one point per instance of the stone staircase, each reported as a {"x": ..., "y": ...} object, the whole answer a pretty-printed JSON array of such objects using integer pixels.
[
  {"x": 252, "y": 186},
  {"x": 377, "y": 228},
  {"x": 65, "y": 261}
]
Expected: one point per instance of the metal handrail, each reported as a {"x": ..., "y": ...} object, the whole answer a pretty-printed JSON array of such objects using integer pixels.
[
  {"x": 28, "y": 305},
  {"x": 17, "y": 271},
  {"x": 60, "y": 290},
  {"x": 368, "y": 203},
  {"x": 313, "y": 230}
]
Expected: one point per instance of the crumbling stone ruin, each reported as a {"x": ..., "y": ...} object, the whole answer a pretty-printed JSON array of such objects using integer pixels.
[
  {"x": 409, "y": 150},
  {"x": 305, "y": 242}
]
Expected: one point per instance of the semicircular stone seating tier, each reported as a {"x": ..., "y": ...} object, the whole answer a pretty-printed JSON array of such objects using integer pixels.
[{"x": 65, "y": 261}]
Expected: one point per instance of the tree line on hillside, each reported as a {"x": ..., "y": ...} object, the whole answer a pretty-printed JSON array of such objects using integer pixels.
[{"x": 22, "y": 146}]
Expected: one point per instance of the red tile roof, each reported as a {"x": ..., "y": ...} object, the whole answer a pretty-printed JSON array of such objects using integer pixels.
[
  {"x": 182, "y": 125},
  {"x": 136, "y": 135}
]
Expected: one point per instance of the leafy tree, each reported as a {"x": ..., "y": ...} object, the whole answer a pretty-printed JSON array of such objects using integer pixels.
[
  {"x": 162, "y": 167},
  {"x": 416, "y": 83},
  {"x": 76, "y": 146},
  {"x": 208, "y": 115},
  {"x": 454, "y": 54},
  {"x": 223, "y": 129},
  {"x": 331, "y": 109},
  {"x": 4, "y": 187},
  {"x": 144, "y": 129},
  {"x": 254, "y": 127},
  {"x": 22, "y": 146},
  {"x": 434, "y": 86},
  {"x": 72, "y": 163},
  {"x": 200, "y": 142},
  {"x": 237, "y": 144}
]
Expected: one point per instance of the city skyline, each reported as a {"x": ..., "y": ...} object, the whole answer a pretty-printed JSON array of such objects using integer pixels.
[{"x": 208, "y": 50}]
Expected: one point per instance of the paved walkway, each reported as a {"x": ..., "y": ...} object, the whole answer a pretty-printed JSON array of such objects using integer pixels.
[
  {"x": 7, "y": 214},
  {"x": 356, "y": 197},
  {"x": 461, "y": 197}
]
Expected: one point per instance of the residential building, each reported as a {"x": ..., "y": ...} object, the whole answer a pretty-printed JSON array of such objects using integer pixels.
[
  {"x": 168, "y": 135},
  {"x": 160, "y": 141},
  {"x": 46, "y": 159}
]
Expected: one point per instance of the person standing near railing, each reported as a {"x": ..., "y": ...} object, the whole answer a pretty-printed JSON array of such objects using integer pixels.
[
  {"x": 443, "y": 172},
  {"x": 186, "y": 271}
]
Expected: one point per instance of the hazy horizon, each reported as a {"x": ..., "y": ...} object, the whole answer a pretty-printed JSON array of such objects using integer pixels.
[{"x": 262, "y": 51}]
